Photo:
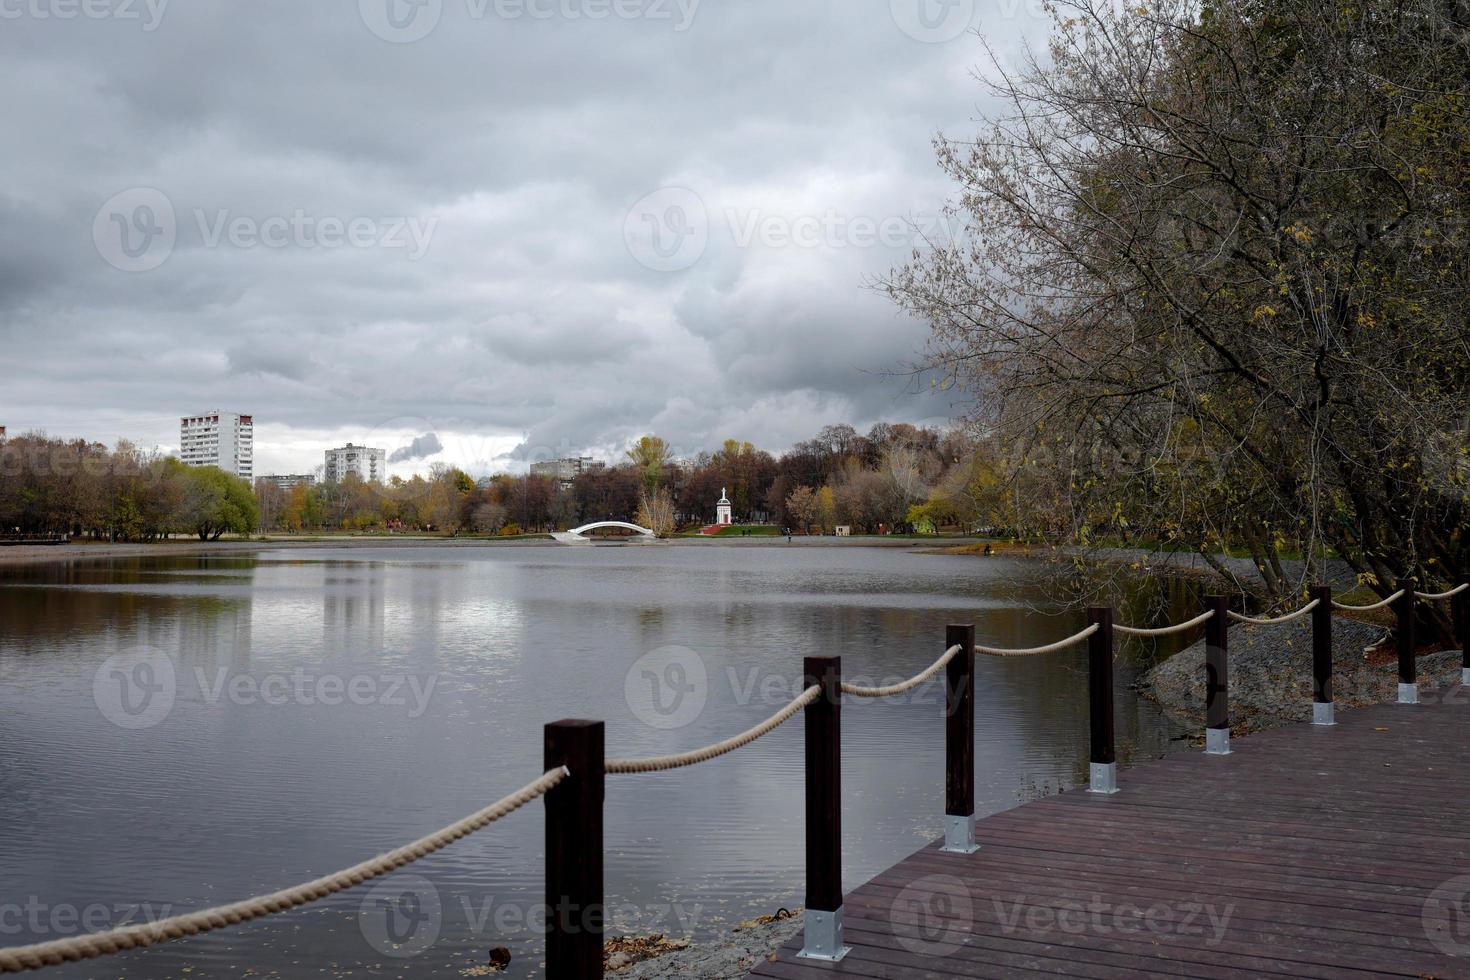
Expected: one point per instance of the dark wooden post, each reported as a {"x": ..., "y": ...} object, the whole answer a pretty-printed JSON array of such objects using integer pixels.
[
  {"x": 1103, "y": 755},
  {"x": 824, "y": 810},
  {"x": 1462, "y": 630},
  {"x": 1217, "y": 676},
  {"x": 574, "y": 902},
  {"x": 1408, "y": 670},
  {"x": 959, "y": 741},
  {"x": 1322, "y": 707}
]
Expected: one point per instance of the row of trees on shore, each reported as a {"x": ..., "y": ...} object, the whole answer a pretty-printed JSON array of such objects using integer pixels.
[
  {"x": 121, "y": 494},
  {"x": 893, "y": 477}
]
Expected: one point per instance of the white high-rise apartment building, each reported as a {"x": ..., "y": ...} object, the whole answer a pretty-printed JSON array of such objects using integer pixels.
[
  {"x": 371, "y": 465},
  {"x": 223, "y": 439}
]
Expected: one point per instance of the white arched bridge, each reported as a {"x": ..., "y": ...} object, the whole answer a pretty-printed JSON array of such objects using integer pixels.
[{"x": 579, "y": 535}]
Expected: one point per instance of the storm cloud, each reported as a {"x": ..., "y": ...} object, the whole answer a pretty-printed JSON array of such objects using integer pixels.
[{"x": 527, "y": 227}]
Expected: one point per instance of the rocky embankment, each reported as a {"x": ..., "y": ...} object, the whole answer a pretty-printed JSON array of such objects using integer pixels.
[
  {"x": 1271, "y": 673},
  {"x": 728, "y": 957}
]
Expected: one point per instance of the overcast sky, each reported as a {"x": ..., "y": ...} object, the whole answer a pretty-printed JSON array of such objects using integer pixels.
[{"x": 525, "y": 226}]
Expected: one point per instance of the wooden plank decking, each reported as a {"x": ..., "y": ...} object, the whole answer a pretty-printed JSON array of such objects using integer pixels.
[{"x": 1309, "y": 852}]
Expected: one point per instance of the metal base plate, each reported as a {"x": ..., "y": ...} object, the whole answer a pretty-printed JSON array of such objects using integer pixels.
[
  {"x": 823, "y": 936},
  {"x": 1104, "y": 778},
  {"x": 959, "y": 834},
  {"x": 1408, "y": 694},
  {"x": 1323, "y": 714},
  {"x": 1217, "y": 741}
]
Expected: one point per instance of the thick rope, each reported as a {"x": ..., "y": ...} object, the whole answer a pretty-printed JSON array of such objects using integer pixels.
[
  {"x": 910, "y": 684},
  {"x": 1031, "y": 651},
  {"x": 1164, "y": 630},
  {"x": 1444, "y": 595},
  {"x": 1272, "y": 621},
  {"x": 16, "y": 959},
  {"x": 660, "y": 763},
  {"x": 1377, "y": 605}
]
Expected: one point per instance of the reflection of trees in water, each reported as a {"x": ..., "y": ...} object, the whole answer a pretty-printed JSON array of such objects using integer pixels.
[{"x": 128, "y": 602}]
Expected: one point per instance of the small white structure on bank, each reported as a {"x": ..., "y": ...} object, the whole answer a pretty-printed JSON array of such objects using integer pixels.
[{"x": 722, "y": 509}]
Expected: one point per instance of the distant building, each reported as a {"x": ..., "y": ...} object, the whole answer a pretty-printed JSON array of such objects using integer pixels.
[
  {"x": 563, "y": 470},
  {"x": 223, "y": 439},
  {"x": 371, "y": 465},
  {"x": 290, "y": 481},
  {"x": 722, "y": 509}
]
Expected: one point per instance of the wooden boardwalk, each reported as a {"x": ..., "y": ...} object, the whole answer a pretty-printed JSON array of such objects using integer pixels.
[{"x": 1308, "y": 852}]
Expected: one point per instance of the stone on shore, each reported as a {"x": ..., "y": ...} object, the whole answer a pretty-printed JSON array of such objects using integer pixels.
[
  {"x": 728, "y": 957},
  {"x": 1271, "y": 673}
]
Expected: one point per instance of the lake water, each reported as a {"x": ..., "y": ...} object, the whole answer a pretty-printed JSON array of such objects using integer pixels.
[{"x": 327, "y": 705}]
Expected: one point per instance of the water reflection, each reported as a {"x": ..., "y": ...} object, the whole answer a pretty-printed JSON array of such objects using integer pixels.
[{"x": 330, "y": 707}]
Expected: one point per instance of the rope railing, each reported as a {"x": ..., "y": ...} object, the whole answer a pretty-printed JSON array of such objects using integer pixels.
[
  {"x": 1377, "y": 605},
  {"x": 1444, "y": 595},
  {"x": 15, "y": 959},
  {"x": 662, "y": 763},
  {"x": 908, "y": 685},
  {"x": 1033, "y": 651},
  {"x": 1164, "y": 630},
  {"x": 1274, "y": 620}
]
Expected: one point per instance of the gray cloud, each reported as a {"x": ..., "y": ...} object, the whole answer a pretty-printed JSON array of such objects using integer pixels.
[
  {"x": 518, "y": 146},
  {"x": 421, "y": 447}
]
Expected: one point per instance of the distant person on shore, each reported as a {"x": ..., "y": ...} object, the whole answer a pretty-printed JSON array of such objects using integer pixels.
[{"x": 988, "y": 551}]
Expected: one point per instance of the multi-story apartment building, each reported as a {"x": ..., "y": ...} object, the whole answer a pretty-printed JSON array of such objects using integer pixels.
[
  {"x": 223, "y": 439},
  {"x": 562, "y": 470},
  {"x": 289, "y": 481},
  {"x": 371, "y": 465}
]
